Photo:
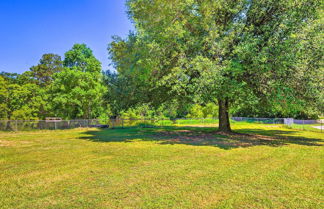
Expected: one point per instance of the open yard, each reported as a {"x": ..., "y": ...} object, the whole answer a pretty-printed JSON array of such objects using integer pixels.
[{"x": 266, "y": 166}]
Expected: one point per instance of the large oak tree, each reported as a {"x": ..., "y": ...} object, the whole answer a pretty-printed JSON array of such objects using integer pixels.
[{"x": 239, "y": 50}]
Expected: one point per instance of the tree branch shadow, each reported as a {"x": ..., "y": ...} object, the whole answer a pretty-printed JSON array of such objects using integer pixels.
[{"x": 199, "y": 136}]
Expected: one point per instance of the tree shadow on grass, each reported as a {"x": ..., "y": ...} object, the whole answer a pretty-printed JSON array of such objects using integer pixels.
[{"x": 198, "y": 136}]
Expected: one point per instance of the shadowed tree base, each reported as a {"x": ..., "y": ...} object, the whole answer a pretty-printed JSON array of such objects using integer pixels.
[
  {"x": 224, "y": 123},
  {"x": 231, "y": 133}
]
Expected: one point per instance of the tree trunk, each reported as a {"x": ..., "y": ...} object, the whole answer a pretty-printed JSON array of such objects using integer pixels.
[{"x": 224, "y": 123}]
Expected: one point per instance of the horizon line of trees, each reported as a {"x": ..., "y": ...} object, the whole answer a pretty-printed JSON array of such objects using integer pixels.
[
  {"x": 186, "y": 59},
  {"x": 77, "y": 88}
]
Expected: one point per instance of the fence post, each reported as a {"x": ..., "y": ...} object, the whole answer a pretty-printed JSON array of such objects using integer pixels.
[
  {"x": 303, "y": 124},
  {"x": 55, "y": 124},
  {"x": 16, "y": 125},
  {"x": 122, "y": 123}
]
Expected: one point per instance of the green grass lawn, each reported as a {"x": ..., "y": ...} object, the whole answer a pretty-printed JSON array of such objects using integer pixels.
[{"x": 268, "y": 166}]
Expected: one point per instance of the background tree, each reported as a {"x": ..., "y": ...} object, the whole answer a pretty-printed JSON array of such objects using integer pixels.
[
  {"x": 51, "y": 89},
  {"x": 81, "y": 58},
  {"x": 18, "y": 99},
  {"x": 20, "y": 102},
  {"x": 78, "y": 89},
  {"x": 48, "y": 65}
]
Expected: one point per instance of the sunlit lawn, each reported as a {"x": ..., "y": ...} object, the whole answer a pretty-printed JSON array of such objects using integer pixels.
[{"x": 174, "y": 167}]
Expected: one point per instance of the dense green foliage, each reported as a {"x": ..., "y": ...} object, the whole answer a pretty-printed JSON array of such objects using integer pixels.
[
  {"x": 47, "y": 67},
  {"x": 21, "y": 98},
  {"x": 77, "y": 90},
  {"x": 251, "y": 58},
  {"x": 72, "y": 88},
  {"x": 261, "y": 58}
]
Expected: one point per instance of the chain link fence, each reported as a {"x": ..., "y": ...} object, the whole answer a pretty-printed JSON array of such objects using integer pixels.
[
  {"x": 259, "y": 120},
  {"x": 309, "y": 125},
  {"x": 25, "y": 125}
]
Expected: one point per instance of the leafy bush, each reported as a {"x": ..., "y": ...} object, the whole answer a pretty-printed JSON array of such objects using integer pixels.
[
  {"x": 199, "y": 111},
  {"x": 139, "y": 112},
  {"x": 196, "y": 111}
]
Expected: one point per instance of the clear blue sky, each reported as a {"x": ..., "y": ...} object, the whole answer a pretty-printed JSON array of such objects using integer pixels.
[{"x": 30, "y": 28}]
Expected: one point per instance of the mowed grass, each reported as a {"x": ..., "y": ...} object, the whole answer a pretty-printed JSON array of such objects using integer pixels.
[{"x": 173, "y": 167}]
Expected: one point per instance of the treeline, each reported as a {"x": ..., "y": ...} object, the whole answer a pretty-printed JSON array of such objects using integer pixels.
[{"x": 77, "y": 87}]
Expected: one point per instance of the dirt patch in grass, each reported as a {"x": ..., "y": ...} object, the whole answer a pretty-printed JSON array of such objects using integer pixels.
[{"x": 5, "y": 143}]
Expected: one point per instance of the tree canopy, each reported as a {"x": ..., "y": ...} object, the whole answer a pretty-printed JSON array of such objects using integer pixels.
[
  {"x": 47, "y": 67},
  {"x": 240, "y": 51}
]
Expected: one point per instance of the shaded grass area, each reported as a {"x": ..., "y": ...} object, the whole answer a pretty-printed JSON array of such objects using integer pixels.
[
  {"x": 207, "y": 136},
  {"x": 266, "y": 166}
]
